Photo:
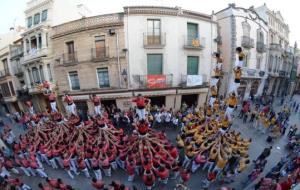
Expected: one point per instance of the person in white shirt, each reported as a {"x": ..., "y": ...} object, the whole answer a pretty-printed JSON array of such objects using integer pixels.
[
  {"x": 168, "y": 118},
  {"x": 157, "y": 118}
]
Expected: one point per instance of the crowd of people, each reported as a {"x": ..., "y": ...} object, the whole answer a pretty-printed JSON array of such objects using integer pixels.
[{"x": 111, "y": 139}]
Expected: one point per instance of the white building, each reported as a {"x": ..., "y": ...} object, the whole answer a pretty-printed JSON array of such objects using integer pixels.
[
  {"x": 280, "y": 54},
  {"x": 240, "y": 27},
  {"x": 9, "y": 83},
  {"x": 41, "y": 15},
  {"x": 166, "y": 46}
]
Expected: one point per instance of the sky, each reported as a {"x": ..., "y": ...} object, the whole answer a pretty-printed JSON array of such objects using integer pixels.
[{"x": 12, "y": 11}]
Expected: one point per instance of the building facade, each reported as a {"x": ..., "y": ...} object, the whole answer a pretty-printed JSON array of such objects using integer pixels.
[
  {"x": 41, "y": 15},
  {"x": 90, "y": 58},
  {"x": 9, "y": 83},
  {"x": 280, "y": 61},
  {"x": 241, "y": 27},
  {"x": 169, "y": 54}
]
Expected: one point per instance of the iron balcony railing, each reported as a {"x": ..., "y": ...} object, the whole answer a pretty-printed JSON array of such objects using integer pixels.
[
  {"x": 194, "y": 43},
  {"x": 247, "y": 42},
  {"x": 154, "y": 41},
  {"x": 261, "y": 47},
  {"x": 276, "y": 47},
  {"x": 69, "y": 58},
  {"x": 154, "y": 81},
  {"x": 100, "y": 54},
  {"x": 4, "y": 73},
  {"x": 193, "y": 80}
]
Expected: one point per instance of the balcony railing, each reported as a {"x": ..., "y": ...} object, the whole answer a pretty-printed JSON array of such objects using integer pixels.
[
  {"x": 276, "y": 47},
  {"x": 154, "y": 81},
  {"x": 261, "y": 47},
  {"x": 16, "y": 51},
  {"x": 282, "y": 73},
  {"x": 194, "y": 43},
  {"x": 193, "y": 80},
  {"x": 35, "y": 53},
  {"x": 69, "y": 58},
  {"x": 100, "y": 54},
  {"x": 4, "y": 73},
  {"x": 247, "y": 42},
  {"x": 154, "y": 41}
]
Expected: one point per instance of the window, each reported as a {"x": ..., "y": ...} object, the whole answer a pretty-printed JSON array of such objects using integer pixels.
[
  {"x": 153, "y": 31},
  {"x": 44, "y": 15},
  {"x": 27, "y": 46},
  {"x": 100, "y": 46},
  {"x": 30, "y": 76},
  {"x": 246, "y": 29},
  {"x": 35, "y": 75},
  {"x": 42, "y": 73},
  {"x": 192, "y": 65},
  {"x": 70, "y": 51},
  {"x": 192, "y": 32},
  {"x": 40, "y": 41},
  {"x": 12, "y": 88},
  {"x": 154, "y": 64},
  {"x": 29, "y": 22},
  {"x": 246, "y": 60},
  {"x": 74, "y": 80},
  {"x": 260, "y": 36},
  {"x": 49, "y": 72},
  {"x": 5, "y": 65},
  {"x": 5, "y": 90},
  {"x": 37, "y": 18},
  {"x": 258, "y": 62},
  {"x": 103, "y": 77}
]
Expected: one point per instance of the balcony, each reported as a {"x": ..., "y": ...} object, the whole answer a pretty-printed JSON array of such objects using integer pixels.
[
  {"x": 281, "y": 73},
  {"x": 100, "y": 54},
  {"x": 252, "y": 73},
  {"x": 193, "y": 80},
  {"x": 4, "y": 73},
  {"x": 16, "y": 52},
  {"x": 35, "y": 53},
  {"x": 69, "y": 59},
  {"x": 261, "y": 47},
  {"x": 154, "y": 41},
  {"x": 154, "y": 81},
  {"x": 247, "y": 42},
  {"x": 194, "y": 43},
  {"x": 276, "y": 47}
]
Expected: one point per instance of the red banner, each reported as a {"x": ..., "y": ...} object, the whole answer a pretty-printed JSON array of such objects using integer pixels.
[{"x": 156, "y": 81}]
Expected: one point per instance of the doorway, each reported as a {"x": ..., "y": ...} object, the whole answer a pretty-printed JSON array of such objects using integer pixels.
[
  {"x": 158, "y": 100},
  {"x": 189, "y": 99}
]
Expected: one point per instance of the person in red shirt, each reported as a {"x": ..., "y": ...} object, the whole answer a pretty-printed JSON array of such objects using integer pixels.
[
  {"x": 185, "y": 176},
  {"x": 163, "y": 174},
  {"x": 141, "y": 102},
  {"x": 53, "y": 182},
  {"x": 30, "y": 107},
  {"x": 71, "y": 107},
  {"x": 98, "y": 184},
  {"x": 148, "y": 179},
  {"x": 130, "y": 165},
  {"x": 97, "y": 104},
  {"x": 52, "y": 100},
  {"x": 143, "y": 127},
  {"x": 44, "y": 187}
]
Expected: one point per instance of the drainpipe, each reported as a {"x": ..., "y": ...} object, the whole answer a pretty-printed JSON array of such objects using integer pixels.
[
  {"x": 127, "y": 52},
  {"x": 118, "y": 59}
]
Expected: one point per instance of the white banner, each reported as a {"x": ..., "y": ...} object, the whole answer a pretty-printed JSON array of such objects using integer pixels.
[{"x": 194, "y": 80}]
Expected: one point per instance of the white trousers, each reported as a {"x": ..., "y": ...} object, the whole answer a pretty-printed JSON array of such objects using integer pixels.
[
  {"x": 141, "y": 113},
  {"x": 31, "y": 111},
  {"x": 53, "y": 106},
  {"x": 211, "y": 101},
  {"x": 228, "y": 113},
  {"x": 233, "y": 87},
  {"x": 239, "y": 63},
  {"x": 41, "y": 172},
  {"x": 71, "y": 109},
  {"x": 98, "y": 174},
  {"x": 97, "y": 110}
]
